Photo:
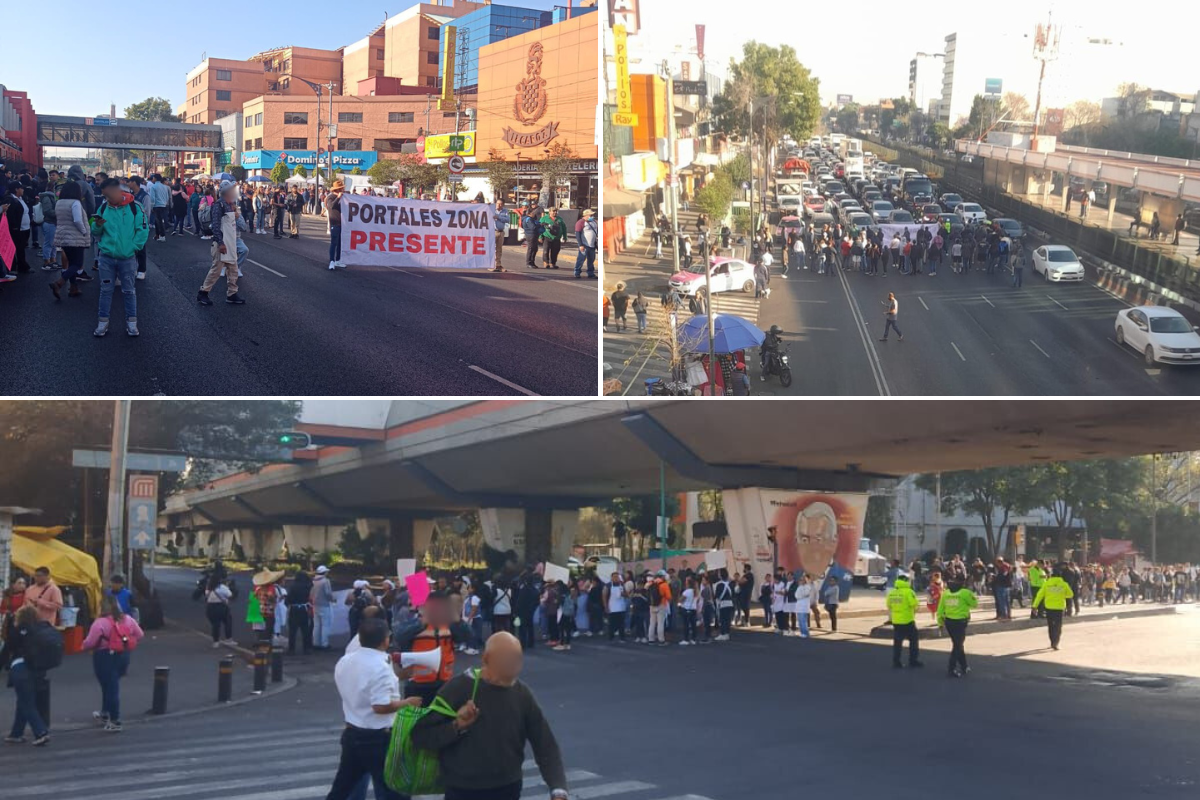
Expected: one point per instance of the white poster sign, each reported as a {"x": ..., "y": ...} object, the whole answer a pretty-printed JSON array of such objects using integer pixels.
[
  {"x": 398, "y": 232},
  {"x": 405, "y": 567},
  {"x": 714, "y": 560},
  {"x": 556, "y": 573}
]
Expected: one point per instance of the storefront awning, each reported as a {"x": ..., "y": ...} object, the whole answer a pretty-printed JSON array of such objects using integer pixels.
[{"x": 622, "y": 203}]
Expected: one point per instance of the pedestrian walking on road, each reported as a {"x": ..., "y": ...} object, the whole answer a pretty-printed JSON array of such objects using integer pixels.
[
  {"x": 333, "y": 208},
  {"x": 160, "y": 201},
  {"x": 217, "y": 597},
  {"x": 481, "y": 751},
  {"x": 892, "y": 306},
  {"x": 227, "y": 250},
  {"x": 121, "y": 230},
  {"x": 322, "y": 600},
  {"x": 72, "y": 236},
  {"x": 639, "y": 311},
  {"x": 112, "y": 637},
  {"x": 1053, "y": 596},
  {"x": 554, "y": 231},
  {"x": 370, "y": 691},
  {"x": 30, "y": 645},
  {"x": 902, "y": 609},
  {"x": 953, "y": 613},
  {"x": 500, "y": 223}
]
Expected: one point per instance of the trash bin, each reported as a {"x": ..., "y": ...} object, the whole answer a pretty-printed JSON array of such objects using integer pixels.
[{"x": 73, "y": 640}]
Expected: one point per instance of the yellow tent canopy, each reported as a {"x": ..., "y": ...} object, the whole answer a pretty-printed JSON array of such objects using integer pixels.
[{"x": 37, "y": 547}]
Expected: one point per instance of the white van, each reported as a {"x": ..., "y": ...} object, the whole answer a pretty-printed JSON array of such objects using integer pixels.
[{"x": 791, "y": 204}]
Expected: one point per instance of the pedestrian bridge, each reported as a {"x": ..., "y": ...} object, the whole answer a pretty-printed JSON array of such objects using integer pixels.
[
  {"x": 127, "y": 134},
  {"x": 428, "y": 458}
]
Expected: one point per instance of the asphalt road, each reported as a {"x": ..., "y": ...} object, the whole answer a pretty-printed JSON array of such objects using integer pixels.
[
  {"x": 761, "y": 716},
  {"x": 307, "y": 331}
]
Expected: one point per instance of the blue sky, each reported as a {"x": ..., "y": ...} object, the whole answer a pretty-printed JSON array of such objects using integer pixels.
[{"x": 156, "y": 64}]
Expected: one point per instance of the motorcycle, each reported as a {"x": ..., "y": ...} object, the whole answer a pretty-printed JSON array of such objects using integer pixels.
[{"x": 775, "y": 362}]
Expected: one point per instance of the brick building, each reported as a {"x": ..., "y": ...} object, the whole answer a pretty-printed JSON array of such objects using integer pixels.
[{"x": 18, "y": 130}]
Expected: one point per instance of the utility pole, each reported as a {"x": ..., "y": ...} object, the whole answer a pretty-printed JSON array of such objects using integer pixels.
[
  {"x": 662, "y": 511},
  {"x": 114, "y": 530},
  {"x": 712, "y": 359},
  {"x": 751, "y": 171},
  {"x": 937, "y": 516},
  {"x": 329, "y": 133},
  {"x": 1154, "y": 508},
  {"x": 672, "y": 176}
]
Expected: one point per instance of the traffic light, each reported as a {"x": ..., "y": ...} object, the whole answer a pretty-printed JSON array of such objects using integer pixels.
[{"x": 293, "y": 440}]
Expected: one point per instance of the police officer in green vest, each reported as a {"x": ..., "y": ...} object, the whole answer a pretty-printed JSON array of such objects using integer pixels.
[
  {"x": 953, "y": 613},
  {"x": 902, "y": 611},
  {"x": 1037, "y": 578},
  {"x": 1053, "y": 596}
]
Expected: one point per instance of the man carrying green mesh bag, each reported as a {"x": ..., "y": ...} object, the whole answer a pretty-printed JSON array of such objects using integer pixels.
[{"x": 480, "y": 747}]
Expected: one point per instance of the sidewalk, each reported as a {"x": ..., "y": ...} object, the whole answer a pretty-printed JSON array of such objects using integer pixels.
[
  {"x": 1097, "y": 216},
  {"x": 75, "y": 694}
]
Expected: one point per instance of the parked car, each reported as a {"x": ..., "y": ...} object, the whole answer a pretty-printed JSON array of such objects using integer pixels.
[
  {"x": 726, "y": 275},
  {"x": 1160, "y": 334},
  {"x": 1057, "y": 262}
]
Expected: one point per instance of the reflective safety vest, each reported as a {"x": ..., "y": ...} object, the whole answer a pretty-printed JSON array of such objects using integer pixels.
[
  {"x": 434, "y": 639},
  {"x": 956, "y": 605},
  {"x": 1054, "y": 593}
]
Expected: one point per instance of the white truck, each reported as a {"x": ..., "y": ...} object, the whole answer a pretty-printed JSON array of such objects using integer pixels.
[{"x": 869, "y": 566}]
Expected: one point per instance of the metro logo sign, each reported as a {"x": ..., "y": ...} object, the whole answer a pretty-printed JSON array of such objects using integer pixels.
[{"x": 144, "y": 486}]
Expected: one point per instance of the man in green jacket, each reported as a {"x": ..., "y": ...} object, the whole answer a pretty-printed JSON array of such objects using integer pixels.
[
  {"x": 902, "y": 611},
  {"x": 120, "y": 230},
  {"x": 1036, "y": 578},
  {"x": 554, "y": 230},
  {"x": 953, "y": 613},
  {"x": 1053, "y": 596}
]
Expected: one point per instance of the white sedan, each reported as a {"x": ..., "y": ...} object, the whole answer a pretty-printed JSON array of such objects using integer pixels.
[
  {"x": 1160, "y": 334},
  {"x": 971, "y": 212},
  {"x": 727, "y": 275},
  {"x": 1056, "y": 262}
]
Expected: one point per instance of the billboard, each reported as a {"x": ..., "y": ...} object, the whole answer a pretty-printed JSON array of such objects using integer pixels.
[
  {"x": 621, "y": 57},
  {"x": 345, "y": 159},
  {"x": 812, "y": 528},
  {"x": 1052, "y": 123},
  {"x": 449, "y": 43},
  {"x": 443, "y": 145},
  {"x": 844, "y": 100},
  {"x": 993, "y": 86}
]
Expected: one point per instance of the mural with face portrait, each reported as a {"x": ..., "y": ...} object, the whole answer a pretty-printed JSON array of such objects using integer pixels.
[{"x": 812, "y": 528}]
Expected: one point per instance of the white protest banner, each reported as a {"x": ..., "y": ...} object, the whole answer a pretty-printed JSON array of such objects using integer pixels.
[
  {"x": 556, "y": 573},
  {"x": 398, "y": 232},
  {"x": 405, "y": 567}
]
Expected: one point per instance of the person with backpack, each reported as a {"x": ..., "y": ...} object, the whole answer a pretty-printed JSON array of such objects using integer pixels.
[
  {"x": 34, "y": 647},
  {"x": 48, "y": 201},
  {"x": 227, "y": 250},
  {"x": 45, "y": 596},
  {"x": 370, "y": 692},
  {"x": 72, "y": 236},
  {"x": 660, "y": 605},
  {"x": 112, "y": 637}
]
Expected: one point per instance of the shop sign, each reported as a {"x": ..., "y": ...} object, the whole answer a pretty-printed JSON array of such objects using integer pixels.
[
  {"x": 625, "y": 12},
  {"x": 578, "y": 165},
  {"x": 537, "y": 138},
  {"x": 624, "y": 89},
  {"x": 624, "y": 120},
  {"x": 531, "y": 100},
  {"x": 444, "y": 144},
  {"x": 347, "y": 159}
]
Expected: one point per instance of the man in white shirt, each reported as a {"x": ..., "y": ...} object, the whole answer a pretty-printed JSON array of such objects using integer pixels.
[{"x": 370, "y": 691}]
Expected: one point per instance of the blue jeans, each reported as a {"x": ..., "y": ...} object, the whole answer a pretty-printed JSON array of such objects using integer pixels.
[
  {"x": 891, "y": 325},
  {"x": 586, "y": 255},
  {"x": 1017, "y": 273},
  {"x": 109, "y": 668},
  {"x": 111, "y": 269},
  {"x": 48, "y": 230},
  {"x": 1002, "y": 602},
  {"x": 242, "y": 252},
  {"x": 802, "y": 618},
  {"x": 335, "y": 242},
  {"x": 262, "y": 218},
  {"x": 322, "y": 625},
  {"x": 24, "y": 683}
]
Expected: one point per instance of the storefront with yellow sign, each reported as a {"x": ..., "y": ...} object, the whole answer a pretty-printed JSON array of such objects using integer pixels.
[{"x": 445, "y": 145}]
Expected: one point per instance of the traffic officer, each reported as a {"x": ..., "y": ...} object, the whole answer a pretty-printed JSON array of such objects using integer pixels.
[
  {"x": 1036, "y": 579},
  {"x": 1054, "y": 593},
  {"x": 953, "y": 613},
  {"x": 902, "y": 611}
]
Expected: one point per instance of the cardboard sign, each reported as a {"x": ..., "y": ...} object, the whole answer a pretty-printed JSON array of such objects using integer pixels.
[
  {"x": 714, "y": 560},
  {"x": 8, "y": 250},
  {"x": 405, "y": 567},
  {"x": 398, "y": 232},
  {"x": 556, "y": 573},
  {"x": 418, "y": 588}
]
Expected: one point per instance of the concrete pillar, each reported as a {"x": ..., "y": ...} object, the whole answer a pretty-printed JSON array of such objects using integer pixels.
[
  {"x": 1066, "y": 192},
  {"x": 534, "y": 534},
  {"x": 1112, "y": 203},
  {"x": 400, "y": 536}
]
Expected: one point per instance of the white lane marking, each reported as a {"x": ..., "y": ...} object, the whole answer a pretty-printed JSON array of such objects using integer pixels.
[
  {"x": 498, "y": 379},
  {"x": 868, "y": 345},
  {"x": 1040, "y": 350},
  {"x": 1060, "y": 305},
  {"x": 406, "y": 272},
  {"x": 602, "y": 790},
  {"x": 960, "y": 355},
  {"x": 1123, "y": 348},
  {"x": 922, "y": 299},
  {"x": 264, "y": 266},
  {"x": 989, "y": 302}
]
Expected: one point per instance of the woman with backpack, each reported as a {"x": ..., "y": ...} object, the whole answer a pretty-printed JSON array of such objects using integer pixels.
[
  {"x": 27, "y": 676},
  {"x": 112, "y": 637}
]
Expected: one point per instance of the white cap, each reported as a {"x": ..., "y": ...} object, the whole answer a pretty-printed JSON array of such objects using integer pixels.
[
  {"x": 321, "y": 570},
  {"x": 361, "y": 584}
]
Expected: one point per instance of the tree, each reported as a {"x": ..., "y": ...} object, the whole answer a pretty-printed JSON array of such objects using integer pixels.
[
  {"x": 301, "y": 172},
  {"x": 152, "y": 109},
  {"x": 1016, "y": 106},
  {"x": 738, "y": 169},
  {"x": 847, "y": 118},
  {"x": 238, "y": 172},
  {"x": 715, "y": 197},
  {"x": 356, "y": 171},
  {"x": 983, "y": 492},
  {"x": 940, "y": 135},
  {"x": 1132, "y": 99},
  {"x": 877, "y": 524},
  {"x": 280, "y": 172},
  {"x": 500, "y": 174},
  {"x": 417, "y": 174},
  {"x": 777, "y": 73},
  {"x": 384, "y": 172},
  {"x": 556, "y": 166},
  {"x": 1081, "y": 112}
]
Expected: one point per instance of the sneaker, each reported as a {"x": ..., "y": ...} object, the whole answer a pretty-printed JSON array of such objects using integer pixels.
[
  {"x": 113, "y": 727},
  {"x": 50, "y": 267},
  {"x": 332, "y": 265},
  {"x": 216, "y": 645},
  {"x": 202, "y": 298},
  {"x": 560, "y": 648},
  {"x": 44, "y": 739},
  {"x": 234, "y": 300},
  {"x": 340, "y": 264},
  {"x": 101, "y": 328},
  {"x": 14, "y": 740},
  {"x": 8, "y": 278},
  {"x": 141, "y": 276},
  {"x": 205, "y": 237},
  {"x": 82, "y": 276},
  {"x": 232, "y": 642},
  {"x": 99, "y": 716},
  {"x": 131, "y": 326},
  {"x": 685, "y": 644}
]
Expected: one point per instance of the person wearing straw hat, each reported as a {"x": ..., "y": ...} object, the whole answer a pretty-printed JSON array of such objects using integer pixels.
[{"x": 268, "y": 594}]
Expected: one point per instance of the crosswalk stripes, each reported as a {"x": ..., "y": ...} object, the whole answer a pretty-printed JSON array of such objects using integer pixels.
[
  {"x": 203, "y": 759},
  {"x": 635, "y": 357}
]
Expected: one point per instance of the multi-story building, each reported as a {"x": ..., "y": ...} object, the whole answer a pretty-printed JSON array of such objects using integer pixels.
[
  {"x": 368, "y": 128},
  {"x": 363, "y": 60},
  {"x": 925, "y": 80},
  {"x": 412, "y": 39},
  {"x": 18, "y": 130},
  {"x": 219, "y": 86}
]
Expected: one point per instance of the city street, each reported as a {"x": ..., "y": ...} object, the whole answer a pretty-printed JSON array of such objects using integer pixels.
[{"x": 306, "y": 330}]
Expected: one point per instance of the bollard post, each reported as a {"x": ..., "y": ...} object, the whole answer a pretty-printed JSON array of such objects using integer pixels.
[
  {"x": 161, "y": 676},
  {"x": 225, "y": 680},
  {"x": 260, "y": 669},
  {"x": 276, "y": 665}
]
